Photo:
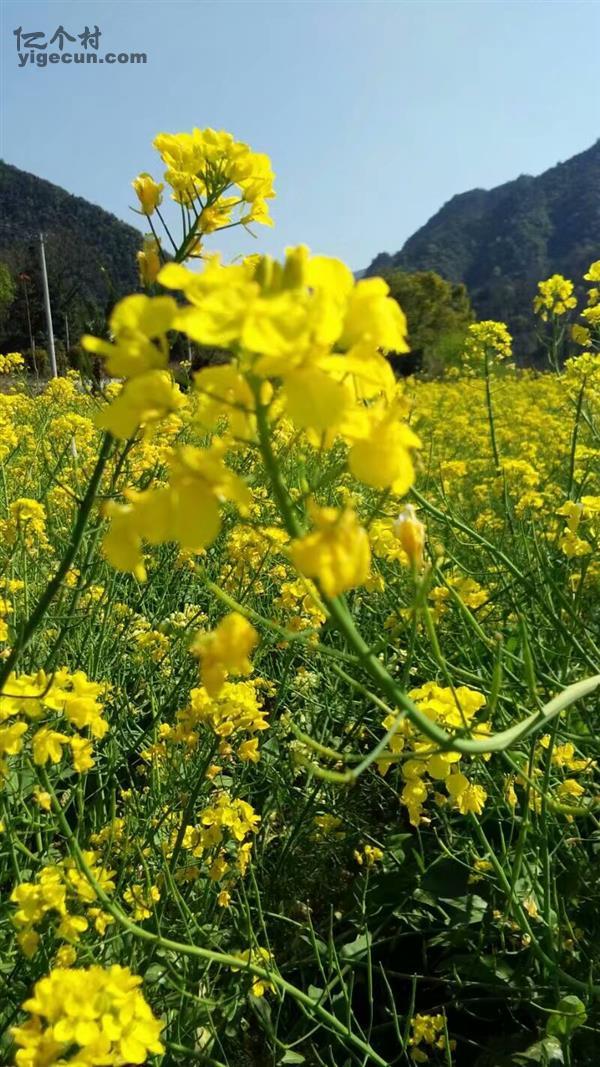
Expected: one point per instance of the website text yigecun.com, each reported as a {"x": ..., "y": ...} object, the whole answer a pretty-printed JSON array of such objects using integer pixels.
[{"x": 42, "y": 59}]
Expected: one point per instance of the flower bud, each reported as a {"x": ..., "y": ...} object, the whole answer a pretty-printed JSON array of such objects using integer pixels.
[
  {"x": 410, "y": 532},
  {"x": 149, "y": 261},
  {"x": 149, "y": 192}
]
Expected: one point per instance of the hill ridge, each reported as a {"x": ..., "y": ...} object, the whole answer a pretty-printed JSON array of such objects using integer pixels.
[{"x": 501, "y": 241}]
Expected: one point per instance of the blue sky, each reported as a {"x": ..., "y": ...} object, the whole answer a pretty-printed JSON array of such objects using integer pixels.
[{"x": 374, "y": 113}]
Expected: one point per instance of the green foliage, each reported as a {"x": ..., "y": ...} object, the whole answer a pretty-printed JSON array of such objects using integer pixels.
[
  {"x": 438, "y": 314},
  {"x": 570, "y": 1014},
  {"x": 7, "y": 290}
]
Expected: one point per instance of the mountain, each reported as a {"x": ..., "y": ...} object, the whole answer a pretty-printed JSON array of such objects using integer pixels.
[
  {"x": 96, "y": 249},
  {"x": 500, "y": 242},
  {"x": 90, "y": 256}
]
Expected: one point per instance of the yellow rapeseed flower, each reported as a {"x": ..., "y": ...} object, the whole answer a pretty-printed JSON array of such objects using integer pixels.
[{"x": 336, "y": 553}]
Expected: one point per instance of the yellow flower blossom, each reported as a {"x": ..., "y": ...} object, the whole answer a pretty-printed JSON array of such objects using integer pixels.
[
  {"x": 99, "y": 1014},
  {"x": 225, "y": 651},
  {"x": 148, "y": 192},
  {"x": 555, "y": 297},
  {"x": 336, "y": 553}
]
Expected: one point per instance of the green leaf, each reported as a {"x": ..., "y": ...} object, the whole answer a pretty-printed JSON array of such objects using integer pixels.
[
  {"x": 546, "y": 1052},
  {"x": 314, "y": 992},
  {"x": 359, "y": 947},
  {"x": 467, "y": 910},
  {"x": 569, "y": 1015}
]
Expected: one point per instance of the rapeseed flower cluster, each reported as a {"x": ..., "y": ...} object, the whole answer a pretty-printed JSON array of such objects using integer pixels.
[
  {"x": 487, "y": 340},
  {"x": 428, "y": 1033},
  {"x": 234, "y": 711},
  {"x": 64, "y": 895},
  {"x": 555, "y": 297},
  {"x": 423, "y": 766},
  {"x": 204, "y": 165},
  {"x": 40, "y": 702},
  {"x": 94, "y": 1016},
  {"x": 11, "y": 362},
  {"x": 304, "y": 339}
]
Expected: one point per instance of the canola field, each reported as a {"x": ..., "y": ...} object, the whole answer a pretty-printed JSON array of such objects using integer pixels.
[{"x": 299, "y": 674}]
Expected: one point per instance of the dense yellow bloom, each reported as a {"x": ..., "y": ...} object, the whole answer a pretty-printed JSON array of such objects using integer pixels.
[
  {"x": 237, "y": 709},
  {"x": 148, "y": 192},
  {"x": 202, "y": 166},
  {"x": 100, "y": 1015},
  {"x": 58, "y": 894},
  {"x": 11, "y": 362},
  {"x": 486, "y": 340},
  {"x": 451, "y": 709},
  {"x": 34, "y": 900},
  {"x": 141, "y": 900},
  {"x": 290, "y": 315},
  {"x": 225, "y": 651},
  {"x": 26, "y": 522},
  {"x": 72, "y": 696},
  {"x": 555, "y": 297},
  {"x": 223, "y": 829},
  {"x": 299, "y": 599},
  {"x": 427, "y": 1030},
  {"x": 336, "y": 553}
]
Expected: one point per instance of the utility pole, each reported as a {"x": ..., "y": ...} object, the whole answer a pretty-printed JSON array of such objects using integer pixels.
[{"x": 49, "y": 328}]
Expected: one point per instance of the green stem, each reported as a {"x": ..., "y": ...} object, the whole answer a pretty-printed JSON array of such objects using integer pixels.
[
  {"x": 339, "y": 613},
  {"x": 490, "y": 410},
  {"x": 30, "y": 626},
  {"x": 224, "y": 958}
]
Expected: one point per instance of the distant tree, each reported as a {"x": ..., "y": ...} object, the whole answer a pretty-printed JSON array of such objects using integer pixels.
[
  {"x": 438, "y": 313},
  {"x": 8, "y": 291}
]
